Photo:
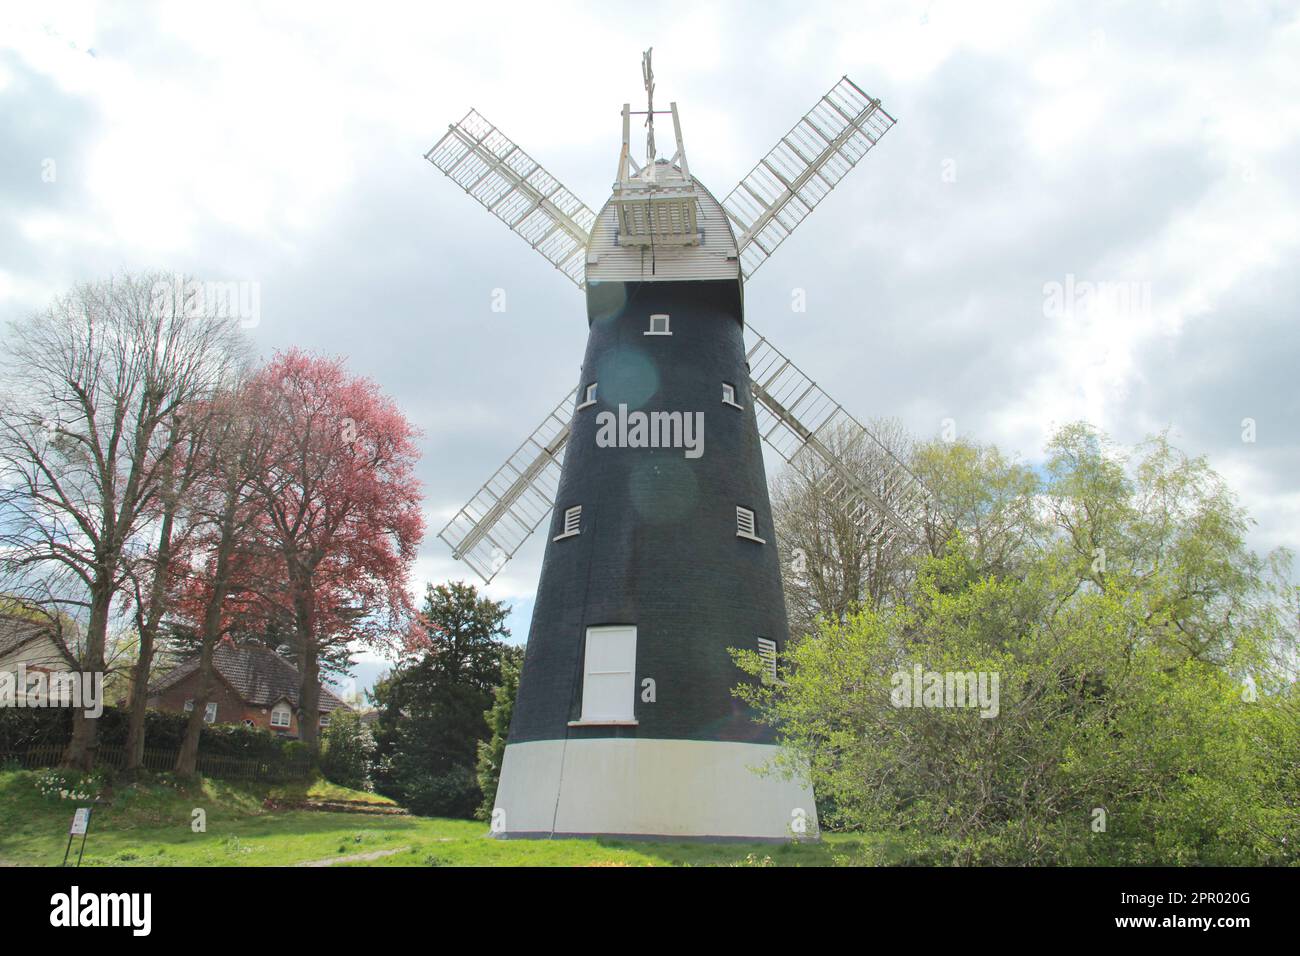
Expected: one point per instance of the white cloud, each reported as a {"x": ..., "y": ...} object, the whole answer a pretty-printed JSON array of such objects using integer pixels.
[{"x": 1154, "y": 145}]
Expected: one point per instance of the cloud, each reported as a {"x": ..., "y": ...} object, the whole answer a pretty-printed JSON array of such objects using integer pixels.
[{"x": 1152, "y": 145}]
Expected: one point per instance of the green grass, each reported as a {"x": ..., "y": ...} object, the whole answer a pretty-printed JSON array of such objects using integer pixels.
[
  {"x": 149, "y": 824},
  {"x": 322, "y": 789}
]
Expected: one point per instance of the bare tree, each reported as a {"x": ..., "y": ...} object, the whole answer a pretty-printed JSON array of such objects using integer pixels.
[
  {"x": 838, "y": 553},
  {"x": 226, "y": 511},
  {"x": 152, "y": 575},
  {"x": 90, "y": 387}
]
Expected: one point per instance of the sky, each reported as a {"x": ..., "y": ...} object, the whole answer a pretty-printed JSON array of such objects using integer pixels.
[{"x": 1083, "y": 212}]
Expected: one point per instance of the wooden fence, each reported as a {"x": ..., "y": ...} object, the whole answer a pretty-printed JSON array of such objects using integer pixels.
[{"x": 276, "y": 770}]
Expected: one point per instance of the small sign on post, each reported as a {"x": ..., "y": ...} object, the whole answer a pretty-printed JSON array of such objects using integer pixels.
[{"x": 80, "y": 827}]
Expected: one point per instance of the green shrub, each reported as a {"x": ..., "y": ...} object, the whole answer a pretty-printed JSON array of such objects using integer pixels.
[
  {"x": 22, "y": 729},
  {"x": 345, "y": 759},
  {"x": 452, "y": 793},
  {"x": 1147, "y": 708}
]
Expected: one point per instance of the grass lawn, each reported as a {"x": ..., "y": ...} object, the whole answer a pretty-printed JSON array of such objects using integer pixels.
[{"x": 149, "y": 824}]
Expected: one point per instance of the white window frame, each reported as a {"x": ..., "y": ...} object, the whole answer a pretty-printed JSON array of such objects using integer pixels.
[
  {"x": 666, "y": 330},
  {"x": 572, "y": 523},
  {"x": 210, "y": 712},
  {"x": 324, "y": 720},
  {"x": 189, "y": 705},
  {"x": 729, "y": 395},
  {"x": 746, "y": 525},
  {"x": 767, "y": 653},
  {"x": 288, "y": 716},
  {"x": 588, "y": 397},
  {"x": 609, "y": 677}
]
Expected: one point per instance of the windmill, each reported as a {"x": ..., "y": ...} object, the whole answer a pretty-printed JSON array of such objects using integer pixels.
[{"x": 660, "y": 552}]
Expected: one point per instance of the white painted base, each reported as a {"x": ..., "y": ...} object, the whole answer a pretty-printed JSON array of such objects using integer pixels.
[{"x": 636, "y": 787}]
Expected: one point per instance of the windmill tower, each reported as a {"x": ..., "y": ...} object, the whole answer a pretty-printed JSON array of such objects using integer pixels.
[{"x": 660, "y": 553}]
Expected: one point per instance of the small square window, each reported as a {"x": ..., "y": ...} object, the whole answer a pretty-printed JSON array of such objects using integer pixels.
[
  {"x": 280, "y": 716},
  {"x": 745, "y": 525},
  {"x": 659, "y": 325},
  {"x": 729, "y": 395},
  {"x": 767, "y": 653},
  {"x": 189, "y": 705},
  {"x": 572, "y": 523},
  {"x": 588, "y": 396},
  {"x": 210, "y": 713}
]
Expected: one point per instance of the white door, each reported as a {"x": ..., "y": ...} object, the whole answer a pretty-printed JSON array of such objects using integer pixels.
[{"x": 609, "y": 682}]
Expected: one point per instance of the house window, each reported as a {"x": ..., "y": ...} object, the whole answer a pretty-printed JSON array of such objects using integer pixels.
[
  {"x": 588, "y": 396},
  {"x": 324, "y": 721},
  {"x": 572, "y": 523},
  {"x": 609, "y": 675},
  {"x": 658, "y": 325},
  {"x": 210, "y": 713},
  {"x": 280, "y": 715},
  {"x": 745, "y": 525},
  {"x": 249, "y": 724},
  {"x": 189, "y": 705},
  {"x": 767, "y": 653},
  {"x": 729, "y": 395}
]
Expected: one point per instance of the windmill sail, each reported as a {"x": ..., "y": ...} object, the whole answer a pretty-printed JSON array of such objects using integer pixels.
[
  {"x": 514, "y": 187},
  {"x": 487, "y": 532},
  {"x": 805, "y": 164},
  {"x": 796, "y": 418}
]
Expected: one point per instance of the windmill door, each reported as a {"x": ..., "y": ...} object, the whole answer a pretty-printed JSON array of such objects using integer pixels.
[{"x": 609, "y": 676}]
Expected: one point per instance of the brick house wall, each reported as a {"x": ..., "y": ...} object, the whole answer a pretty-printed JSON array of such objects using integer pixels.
[{"x": 231, "y": 709}]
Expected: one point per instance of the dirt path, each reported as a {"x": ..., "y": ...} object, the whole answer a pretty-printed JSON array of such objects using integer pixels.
[{"x": 355, "y": 857}]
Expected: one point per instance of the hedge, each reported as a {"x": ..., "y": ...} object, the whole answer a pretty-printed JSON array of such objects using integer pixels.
[{"x": 28, "y": 729}]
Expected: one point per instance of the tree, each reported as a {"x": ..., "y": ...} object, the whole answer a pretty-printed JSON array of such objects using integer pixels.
[
  {"x": 152, "y": 576},
  {"x": 348, "y": 748},
  {"x": 225, "y": 560},
  {"x": 1145, "y": 703},
  {"x": 432, "y": 706},
  {"x": 1172, "y": 529},
  {"x": 342, "y": 509},
  {"x": 491, "y": 752},
  {"x": 840, "y": 556},
  {"x": 836, "y": 557},
  {"x": 983, "y": 496},
  {"x": 92, "y": 387},
  {"x": 461, "y": 634}
]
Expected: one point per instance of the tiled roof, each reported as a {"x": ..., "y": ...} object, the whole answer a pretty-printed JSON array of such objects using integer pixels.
[
  {"x": 16, "y": 632},
  {"x": 257, "y": 674}
]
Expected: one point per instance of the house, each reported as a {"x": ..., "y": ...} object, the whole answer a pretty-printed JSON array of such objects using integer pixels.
[
  {"x": 36, "y": 667},
  {"x": 36, "y": 645},
  {"x": 255, "y": 686}
]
